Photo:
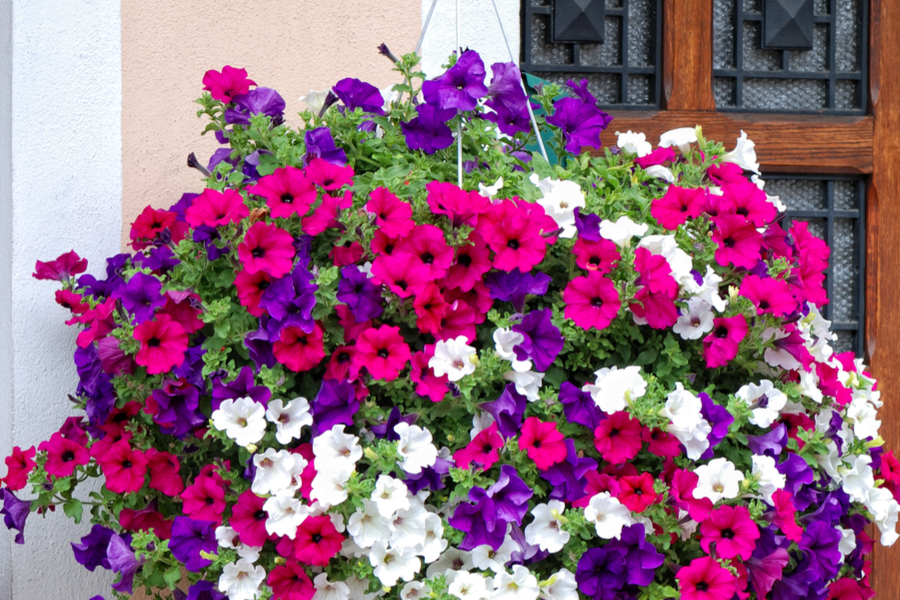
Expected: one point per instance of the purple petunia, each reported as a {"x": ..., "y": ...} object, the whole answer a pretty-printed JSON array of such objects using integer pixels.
[
  {"x": 359, "y": 94},
  {"x": 190, "y": 537},
  {"x": 771, "y": 443},
  {"x": 122, "y": 560},
  {"x": 259, "y": 101},
  {"x": 14, "y": 512},
  {"x": 358, "y": 292},
  {"x": 485, "y": 521},
  {"x": 514, "y": 286},
  {"x": 543, "y": 341},
  {"x": 91, "y": 551},
  {"x": 206, "y": 235},
  {"x": 259, "y": 347},
  {"x": 460, "y": 86},
  {"x": 386, "y": 429},
  {"x": 720, "y": 420},
  {"x": 204, "y": 590},
  {"x": 429, "y": 132},
  {"x": 334, "y": 404},
  {"x": 431, "y": 478},
  {"x": 568, "y": 477},
  {"x": 581, "y": 123},
  {"x": 579, "y": 406},
  {"x": 508, "y": 411},
  {"x": 178, "y": 408},
  {"x": 141, "y": 296},
  {"x": 320, "y": 144},
  {"x": 641, "y": 557},
  {"x": 600, "y": 573},
  {"x": 243, "y": 386}
]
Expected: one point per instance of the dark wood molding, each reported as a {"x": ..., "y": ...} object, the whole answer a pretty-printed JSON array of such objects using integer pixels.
[
  {"x": 784, "y": 143},
  {"x": 687, "y": 55}
]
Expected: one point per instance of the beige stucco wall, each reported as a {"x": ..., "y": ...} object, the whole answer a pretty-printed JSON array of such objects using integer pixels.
[{"x": 289, "y": 45}]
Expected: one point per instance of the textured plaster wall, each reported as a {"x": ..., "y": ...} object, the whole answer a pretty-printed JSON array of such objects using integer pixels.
[
  {"x": 61, "y": 190},
  {"x": 479, "y": 31},
  {"x": 167, "y": 46}
]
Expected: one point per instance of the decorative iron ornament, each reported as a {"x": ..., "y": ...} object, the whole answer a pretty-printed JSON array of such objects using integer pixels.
[
  {"x": 622, "y": 72},
  {"x": 828, "y": 78},
  {"x": 835, "y": 209},
  {"x": 580, "y": 21},
  {"x": 788, "y": 24}
]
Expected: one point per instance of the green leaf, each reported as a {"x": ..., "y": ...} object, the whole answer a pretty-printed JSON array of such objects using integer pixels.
[
  {"x": 73, "y": 509},
  {"x": 172, "y": 577}
]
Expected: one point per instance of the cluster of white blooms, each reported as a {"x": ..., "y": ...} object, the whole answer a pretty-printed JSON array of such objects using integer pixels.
[
  {"x": 615, "y": 388},
  {"x": 560, "y": 199},
  {"x": 685, "y": 413}
]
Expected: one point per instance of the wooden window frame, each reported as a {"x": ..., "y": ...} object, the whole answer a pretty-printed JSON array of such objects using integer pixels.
[{"x": 867, "y": 145}]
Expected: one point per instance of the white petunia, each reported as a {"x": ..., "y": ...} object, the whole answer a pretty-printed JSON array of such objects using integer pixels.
[
  {"x": 560, "y": 586},
  {"x": 848, "y": 541},
  {"x": 709, "y": 290},
  {"x": 885, "y": 510},
  {"x": 453, "y": 358},
  {"x": 682, "y": 407},
  {"x": 328, "y": 486},
  {"x": 430, "y": 550},
  {"x": 242, "y": 420},
  {"x": 520, "y": 585},
  {"x": 546, "y": 530},
  {"x": 608, "y": 515},
  {"x": 330, "y": 590},
  {"x": 661, "y": 172},
  {"x": 489, "y": 191},
  {"x": 250, "y": 553},
  {"x": 779, "y": 357},
  {"x": 682, "y": 137},
  {"x": 415, "y": 448},
  {"x": 486, "y": 558},
  {"x": 273, "y": 471},
  {"x": 831, "y": 462},
  {"x": 227, "y": 537},
  {"x": 858, "y": 479},
  {"x": 408, "y": 526},
  {"x": 560, "y": 199},
  {"x": 315, "y": 100},
  {"x": 505, "y": 341},
  {"x": 614, "y": 388},
  {"x": 414, "y": 590},
  {"x": 743, "y": 155},
  {"x": 696, "y": 322},
  {"x": 622, "y": 230},
  {"x": 765, "y": 402},
  {"x": 469, "y": 586},
  {"x": 334, "y": 446},
  {"x": 389, "y": 96},
  {"x": 770, "y": 478},
  {"x": 719, "y": 479},
  {"x": 241, "y": 580},
  {"x": 368, "y": 526},
  {"x": 390, "y": 495},
  {"x": 634, "y": 143},
  {"x": 392, "y": 564},
  {"x": 289, "y": 419},
  {"x": 453, "y": 559},
  {"x": 286, "y": 514},
  {"x": 528, "y": 383},
  {"x": 863, "y": 417}
]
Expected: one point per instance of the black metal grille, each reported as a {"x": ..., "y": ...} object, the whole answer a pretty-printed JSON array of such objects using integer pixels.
[
  {"x": 828, "y": 79},
  {"x": 834, "y": 207},
  {"x": 621, "y": 72}
]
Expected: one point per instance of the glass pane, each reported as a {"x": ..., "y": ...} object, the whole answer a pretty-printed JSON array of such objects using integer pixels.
[{"x": 798, "y": 194}]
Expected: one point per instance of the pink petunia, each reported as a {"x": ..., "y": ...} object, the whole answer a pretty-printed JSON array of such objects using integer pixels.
[
  {"x": 392, "y": 215},
  {"x": 636, "y": 492},
  {"x": 163, "y": 344},
  {"x": 316, "y": 541},
  {"x": 518, "y": 243},
  {"x": 298, "y": 350},
  {"x": 63, "y": 455},
  {"x": 19, "y": 465},
  {"x": 250, "y": 288},
  {"x": 618, "y": 438},
  {"x": 769, "y": 295},
  {"x": 784, "y": 515},
  {"x": 382, "y": 352},
  {"x": 600, "y": 256},
  {"x": 430, "y": 308},
  {"x": 325, "y": 215},
  {"x": 149, "y": 224},
  {"x": 248, "y": 518},
  {"x": 739, "y": 241},
  {"x": 705, "y": 579},
  {"x": 747, "y": 200},
  {"x": 592, "y": 301},
  {"x": 226, "y": 85},
  {"x": 329, "y": 176},
  {"x": 403, "y": 274},
  {"x": 461, "y": 207},
  {"x": 544, "y": 444},
  {"x": 472, "y": 261},
  {"x": 721, "y": 345},
  {"x": 483, "y": 450},
  {"x": 214, "y": 208},
  {"x": 287, "y": 192},
  {"x": 427, "y": 244},
  {"x": 61, "y": 269},
  {"x": 731, "y": 530},
  {"x": 677, "y": 205},
  {"x": 459, "y": 320},
  {"x": 428, "y": 385},
  {"x": 267, "y": 247},
  {"x": 124, "y": 468},
  {"x": 164, "y": 475}
]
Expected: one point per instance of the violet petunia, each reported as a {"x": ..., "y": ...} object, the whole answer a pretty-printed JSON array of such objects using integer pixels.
[
  {"x": 428, "y": 131},
  {"x": 359, "y": 94},
  {"x": 320, "y": 144},
  {"x": 91, "y": 551},
  {"x": 514, "y": 286},
  {"x": 460, "y": 86},
  {"x": 485, "y": 521},
  {"x": 357, "y": 291},
  {"x": 600, "y": 574},
  {"x": 178, "y": 408},
  {"x": 821, "y": 546},
  {"x": 431, "y": 478},
  {"x": 579, "y": 406},
  {"x": 505, "y": 91},
  {"x": 191, "y": 370},
  {"x": 243, "y": 386},
  {"x": 122, "y": 560},
  {"x": 588, "y": 225},
  {"x": 543, "y": 340},
  {"x": 141, "y": 296},
  {"x": 641, "y": 557},
  {"x": 204, "y": 590},
  {"x": 798, "y": 473},
  {"x": 581, "y": 123},
  {"x": 580, "y": 89},
  {"x": 386, "y": 429},
  {"x": 190, "y": 537},
  {"x": 720, "y": 420},
  {"x": 335, "y": 403},
  {"x": 568, "y": 477},
  {"x": 771, "y": 443},
  {"x": 206, "y": 235},
  {"x": 510, "y": 495},
  {"x": 259, "y": 347},
  {"x": 508, "y": 411},
  {"x": 14, "y": 512},
  {"x": 259, "y": 101}
]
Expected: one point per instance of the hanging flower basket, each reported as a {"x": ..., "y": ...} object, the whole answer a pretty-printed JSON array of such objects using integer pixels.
[{"x": 337, "y": 373}]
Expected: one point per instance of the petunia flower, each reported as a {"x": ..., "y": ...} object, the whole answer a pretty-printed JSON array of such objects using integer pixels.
[
  {"x": 204, "y": 499},
  {"x": 677, "y": 205},
  {"x": 614, "y": 388},
  {"x": 592, "y": 301},
  {"x": 404, "y": 274},
  {"x": 581, "y": 123},
  {"x": 568, "y": 478},
  {"x": 622, "y": 230},
  {"x": 618, "y": 438},
  {"x": 191, "y": 538},
  {"x": 290, "y": 581},
  {"x": 738, "y": 240},
  {"x": 543, "y": 443},
  {"x": 427, "y": 244},
  {"x": 248, "y": 518},
  {"x": 705, "y": 579},
  {"x": 542, "y": 339},
  {"x": 91, "y": 551},
  {"x": 460, "y": 86},
  {"x": 226, "y": 84},
  {"x": 428, "y": 131},
  {"x": 63, "y": 455},
  {"x": 769, "y": 295},
  {"x": 518, "y": 244},
  {"x": 141, "y": 296},
  {"x": 289, "y": 418},
  {"x": 382, "y": 352},
  {"x": 213, "y": 208},
  {"x": 600, "y": 573},
  {"x": 287, "y": 192},
  {"x": 718, "y": 480},
  {"x": 460, "y": 206},
  {"x": 415, "y": 448},
  {"x": 453, "y": 358},
  {"x": 329, "y": 176},
  {"x": 359, "y": 94},
  {"x": 122, "y": 560},
  {"x": 428, "y": 385},
  {"x": 317, "y": 541},
  {"x": 335, "y": 403},
  {"x": 267, "y": 247},
  {"x": 123, "y": 467},
  {"x": 242, "y": 420},
  {"x": 731, "y": 530},
  {"x": 164, "y": 472},
  {"x": 324, "y": 217},
  {"x": 720, "y": 346},
  {"x": 641, "y": 557},
  {"x": 62, "y": 269},
  {"x": 515, "y": 286},
  {"x": 298, "y": 350},
  {"x": 392, "y": 215},
  {"x": 163, "y": 344},
  {"x": 19, "y": 465},
  {"x": 483, "y": 450},
  {"x": 261, "y": 101}
]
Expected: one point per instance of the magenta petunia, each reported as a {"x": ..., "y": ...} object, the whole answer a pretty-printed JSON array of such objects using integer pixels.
[
  {"x": 63, "y": 455},
  {"x": 636, "y": 492},
  {"x": 483, "y": 450},
  {"x": 430, "y": 308},
  {"x": 61, "y": 269},
  {"x": 382, "y": 352},
  {"x": 543, "y": 443},
  {"x": 720, "y": 346},
  {"x": 460, "y": 206},
  {"x": 705, "y": 579},
  {"x": 677, "y": 205},
  {"x": 592, "y": 301},
  {"x": 769, "y": 295},
  {"x": 325, "y": 215},
  {"x": 392, "y": 215},
  {"x": 19, "y": 465},
  {"x": 298, "y": 350},
  {"x": 249, "y": 519},
  {"x": 518, "y": 244},
  {"x": 213, "y": 208},
  {"x": 739, "y": 241},
  {"x": 150, "y": 223},
  {"x": 163, "y": 344},
  {"x": 316, "y": 541},
  {"x": 267, "y": 247},
  {"x": 600, "y": 256},
  {"x": 290, "y": 582},
  {"x": 618, "y": 438},
  {"x": 732, "y": 530},
  {"x": 747, "y": 200},
  {"x": 329, "y": 176},
  {"x": 428, "y": 385},
  {"x": 227, "y": 84},
  {"x": 124, "y": 468},
  {"x": 403, "y": 274},
  {"x": 472, "y": 261},
  {"x": 287, "y": 192},
  {"x": 427, "y": 244}
]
